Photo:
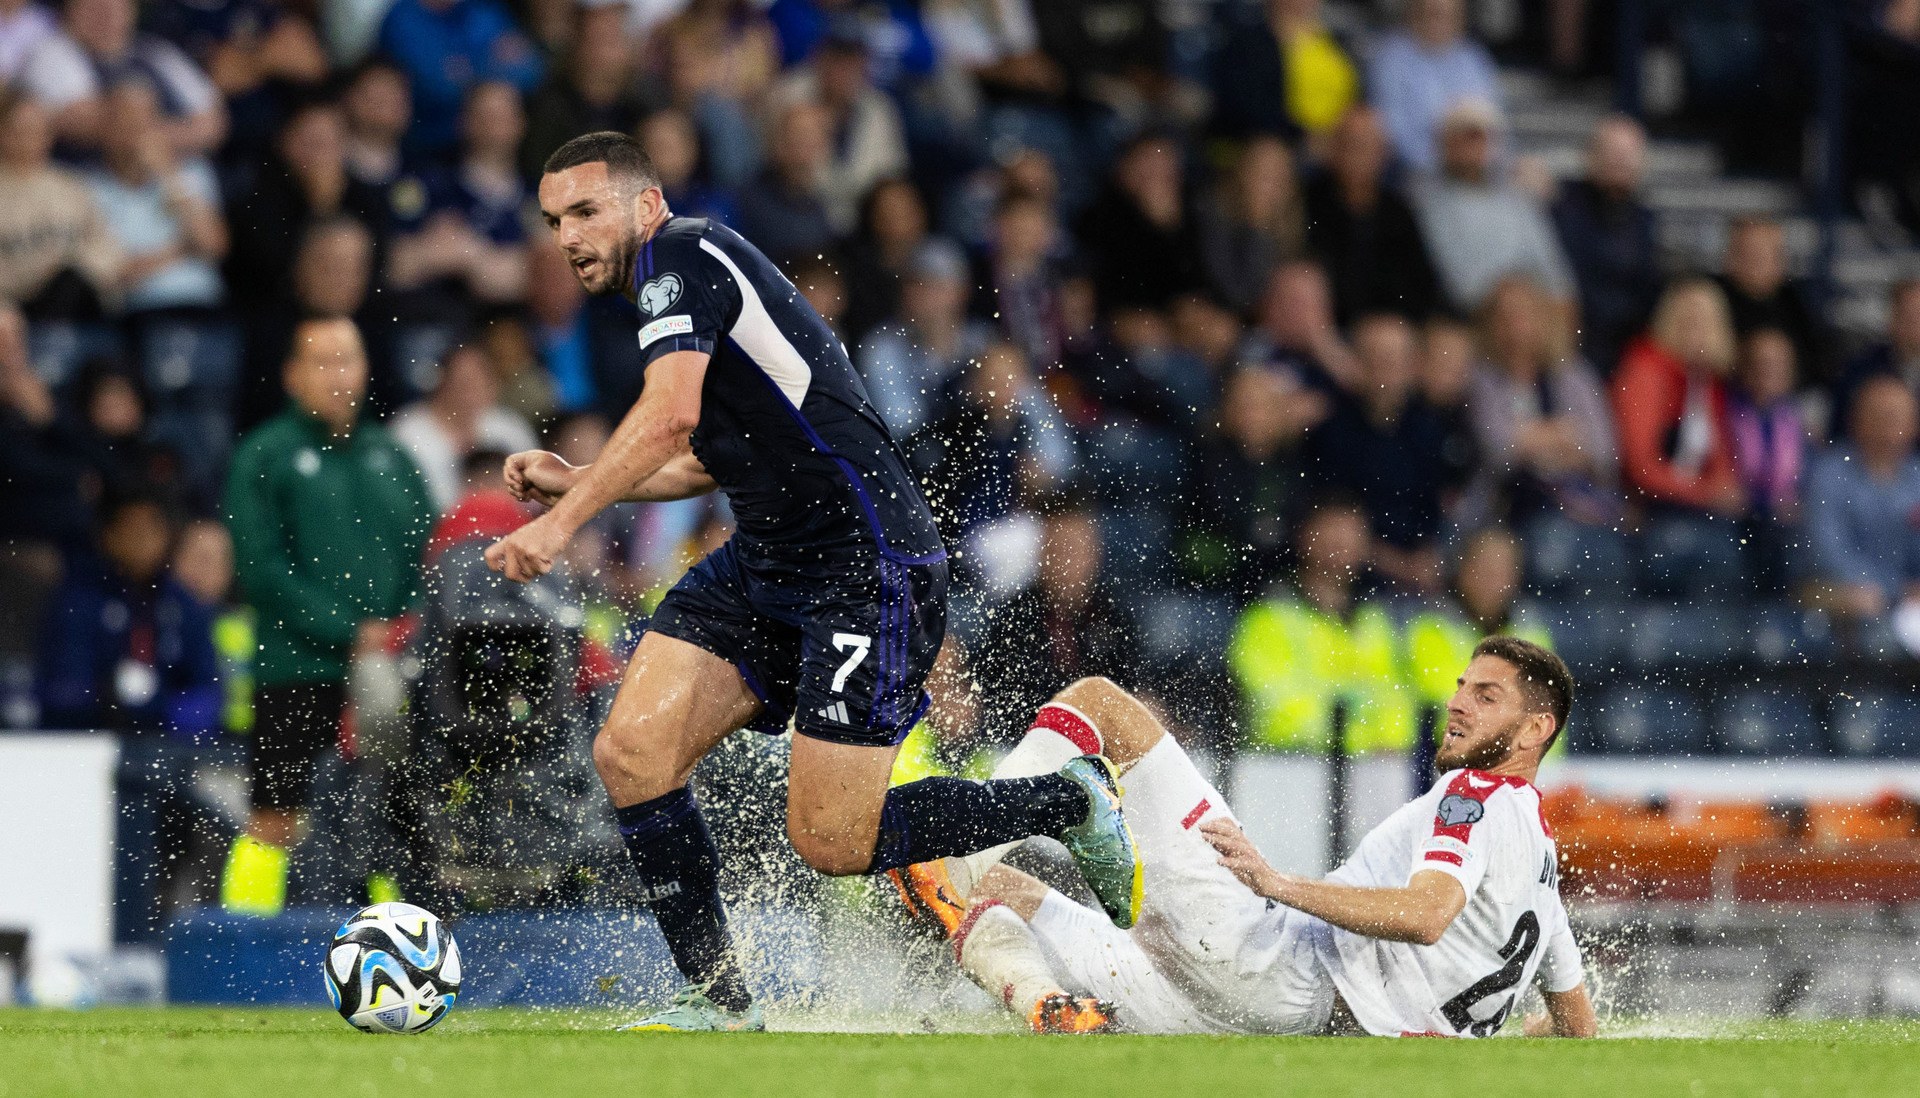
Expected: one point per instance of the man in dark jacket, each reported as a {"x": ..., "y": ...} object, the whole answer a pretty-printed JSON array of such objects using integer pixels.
[
  {"x": 1608, "y": 234},
  {"x": 329, "y": 517},
  {"x": 126, "y": 648}
]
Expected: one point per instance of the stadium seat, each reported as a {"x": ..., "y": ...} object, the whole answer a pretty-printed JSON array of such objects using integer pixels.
[
  {"x": 1766, "y": 721},
  {"x": 1589, "y": 634},
  {"x": 1777, "y": 633},
  {"x": 1573, "y": 560},
  {"x": 1632, "y": 719},
  {"x": 1876, "y": 723},
  {"x": 1691, "y": 555},
  {"x": 1687, "y": 634}
]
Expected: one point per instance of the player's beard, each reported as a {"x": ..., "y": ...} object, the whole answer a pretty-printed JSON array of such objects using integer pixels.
[
  {"x": 1479, "y": 754},
  {"x": 618, "y": 277}
]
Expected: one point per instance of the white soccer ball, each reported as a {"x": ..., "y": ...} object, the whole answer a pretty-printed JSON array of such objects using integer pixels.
[{"x": 393, "y": 968}]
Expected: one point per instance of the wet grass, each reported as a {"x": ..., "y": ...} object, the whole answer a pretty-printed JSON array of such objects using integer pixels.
[{"x": 267, "y": 1053}]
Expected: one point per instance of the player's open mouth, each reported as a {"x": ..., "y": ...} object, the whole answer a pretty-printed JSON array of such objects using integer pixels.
[{"x": 582, "y": 263}]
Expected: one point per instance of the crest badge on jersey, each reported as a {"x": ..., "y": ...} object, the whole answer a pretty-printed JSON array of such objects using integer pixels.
[
  {"x": 659, "y": 294},
  {"x": 1455, "y": 810}
]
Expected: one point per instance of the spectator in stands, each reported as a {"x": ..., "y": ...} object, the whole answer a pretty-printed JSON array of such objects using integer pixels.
[
  {"x": 819, "y": 281},
  {"x": 1761, "y": 295},
  {"x": 1022, "y": 280},
  {"x": 1246, "y": 480},
  {"x": 304, "y": 182},
  {"x": 1480, "y": 228},
  {"x": 1254, "y": 219},
  {"x": 71, "y": 73},
  {"x": 1317, "y": 651},
  {"x": 446, "y": 47},
  {"x": 1114, "y": 55},
  {"x": 379, "y": 107},
  {"x": 1896, "y": 354},
  {"x": 1067, "y": 624},
  {"x": 1362, "y": 228},
  {"x": 868, "y": 141},
  {"x": 24, "y": 24},
  {"x": 1139, "y": 235},
  {"x": 256, "y": 52},
  {"x": 58, "y": 262},
  {"x": 112, "y": 435},
  {"x": 717, "y": 60},
  {"x": 673, "y": 142},
  {"x": 1769, "y": 450},
  {"x": 525, "y": 389},
  {"x": 1280, "y": 71},
  {"x": 1295, "y": 329},
  {"x": 998, "y": 440},
  {"x": 1769, "y": 434},
  {"x": 593, "y": 89},
  {"x": 1385, "y": 445},
  {"x": 893, "y": 228},
  {"x": 460, "y": 234},
  {"x": 1608, "y": 234},
  {"x": 1540, "y": 415},
  {"x": 909, "y": 360},
  {"x": 328, "y": 517},
  {"x": 463, "y": 415},
  {"x": 1418, "y": 75},
  {"x": 1670, "y": 405},
  {"x": 126, "y": 648},
  {"x": 44, "y": 501},
  {"x": 991, "y": 48},
  {"x": 160, "y": 207},
  {"x": 784, "y": 210},
  {"x": 1861, "y": 497}
]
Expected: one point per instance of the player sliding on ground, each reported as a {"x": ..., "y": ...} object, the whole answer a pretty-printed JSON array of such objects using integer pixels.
[
  {"x": 826, "y": 608},
  {"x": 1435, "y": 926}
]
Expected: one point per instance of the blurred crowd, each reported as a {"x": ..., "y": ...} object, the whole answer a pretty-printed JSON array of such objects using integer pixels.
[{"x": 1246, "y": 361}]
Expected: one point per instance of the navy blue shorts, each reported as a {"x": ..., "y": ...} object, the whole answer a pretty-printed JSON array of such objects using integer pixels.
[{"x": 841, "y": 646}]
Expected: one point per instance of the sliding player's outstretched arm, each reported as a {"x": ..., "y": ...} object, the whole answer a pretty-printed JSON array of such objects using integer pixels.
[
  {"x": 1420, "y": 912},
  {"x": 654, "y": 432}
]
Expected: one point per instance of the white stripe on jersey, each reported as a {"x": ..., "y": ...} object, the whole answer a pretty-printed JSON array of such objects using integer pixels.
[{"x": 762, "y": 339}]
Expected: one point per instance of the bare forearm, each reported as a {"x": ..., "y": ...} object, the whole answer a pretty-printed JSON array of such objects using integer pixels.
[
  {"x": 644, "y": 443},
  {"x": 1392, "y": 914},
  {"x": 1572, "y": 1013},
  {"x": 681, "y": 478}
]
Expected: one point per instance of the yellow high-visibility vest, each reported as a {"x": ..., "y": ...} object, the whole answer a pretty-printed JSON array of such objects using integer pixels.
[
  {"x": 234, "y": 647},
  {"x": 1295, "y": 664}
]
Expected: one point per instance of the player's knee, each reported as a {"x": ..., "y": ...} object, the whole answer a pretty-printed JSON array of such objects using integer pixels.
[
  {"x": 620, "y": 753},
  {"x": 833, "y": 855}
]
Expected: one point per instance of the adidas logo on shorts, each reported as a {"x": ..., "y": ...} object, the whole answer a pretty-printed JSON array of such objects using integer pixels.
[{"x": 836, "y": 712}]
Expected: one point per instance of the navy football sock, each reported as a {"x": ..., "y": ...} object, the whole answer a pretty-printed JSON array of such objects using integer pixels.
[
  {"x": 947, "y": 817},
  {"x": 679, "y": 869}
]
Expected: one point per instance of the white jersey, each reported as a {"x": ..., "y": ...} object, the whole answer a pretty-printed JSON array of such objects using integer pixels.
[{"x": 1487, "y": 832}]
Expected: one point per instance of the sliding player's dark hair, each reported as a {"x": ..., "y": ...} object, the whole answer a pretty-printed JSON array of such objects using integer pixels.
[
  {"x": 1544, "y": 676},
  {"x": 627, "y": 162}
]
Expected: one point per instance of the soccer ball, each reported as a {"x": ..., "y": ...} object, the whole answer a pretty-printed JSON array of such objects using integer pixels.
[{"x": 393, "y": 968}]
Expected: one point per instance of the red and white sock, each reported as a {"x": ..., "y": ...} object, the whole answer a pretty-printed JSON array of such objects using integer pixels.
[
  {"x": 997, "y": 950},
  {"x": 1060, "y": 734}
]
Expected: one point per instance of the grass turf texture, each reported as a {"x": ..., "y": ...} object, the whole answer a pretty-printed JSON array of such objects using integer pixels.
[{"x": 282, "y": 1053}]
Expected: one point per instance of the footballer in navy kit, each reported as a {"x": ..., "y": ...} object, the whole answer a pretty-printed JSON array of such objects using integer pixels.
[{"x": 825, "y": 609}]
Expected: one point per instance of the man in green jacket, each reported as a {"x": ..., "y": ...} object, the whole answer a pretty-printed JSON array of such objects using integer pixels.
[{"x": 329, "y": 517}]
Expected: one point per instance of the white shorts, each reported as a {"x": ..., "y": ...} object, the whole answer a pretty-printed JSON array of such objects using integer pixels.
[{"x": 1207, "y": 954}]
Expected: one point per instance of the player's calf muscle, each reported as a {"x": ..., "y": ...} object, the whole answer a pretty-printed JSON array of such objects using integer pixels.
[{"x": 1128, "y": 730}]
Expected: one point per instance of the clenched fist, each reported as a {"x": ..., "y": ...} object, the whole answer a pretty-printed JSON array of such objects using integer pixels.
[{"x": 540, "y": 476}]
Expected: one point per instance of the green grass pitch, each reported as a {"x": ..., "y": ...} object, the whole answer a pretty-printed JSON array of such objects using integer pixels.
[{"x": 205, "y": 1053}]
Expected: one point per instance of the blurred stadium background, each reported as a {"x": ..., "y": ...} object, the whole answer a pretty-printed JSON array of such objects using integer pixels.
[{"x": 1261, "y": 355}]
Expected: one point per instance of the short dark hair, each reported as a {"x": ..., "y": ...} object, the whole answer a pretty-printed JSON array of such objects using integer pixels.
[
  {"x": 1544, "y": 677},
  {"x": 624, "y": 157}
]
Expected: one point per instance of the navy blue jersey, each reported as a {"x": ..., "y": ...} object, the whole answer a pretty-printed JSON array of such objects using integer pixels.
[{"x": 786, "y": 429}]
